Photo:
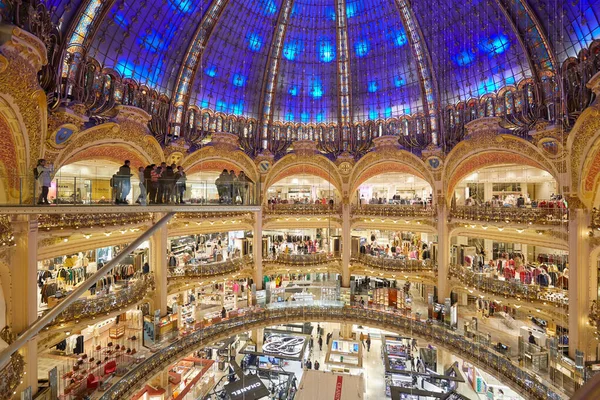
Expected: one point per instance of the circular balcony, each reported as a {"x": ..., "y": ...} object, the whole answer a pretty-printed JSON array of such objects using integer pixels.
[{"x": 485, "y": 357}]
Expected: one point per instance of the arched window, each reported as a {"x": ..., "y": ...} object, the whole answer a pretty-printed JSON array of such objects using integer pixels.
[
  {"x": 219, "y": 124},
  {"x": 489, "y": 107},
  {"x": 205, "y": 122},
  {"x": 509, "y": 103},
  {"x": 405, "y": 127}
]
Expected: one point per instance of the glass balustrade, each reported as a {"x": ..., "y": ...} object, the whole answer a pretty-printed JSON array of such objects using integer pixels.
[
  {"x": 302, "y": 209},
  {"x": 208, "y": 268},
  {"x": 302, "y": 259},
  {"x": 98, "y": 191},
  {"x": 485, "y": 283},
  {"x": 395, "y": 264},
  {"x": 394, "y": 210},
  {"x": 252, "y": 318},
  {"x": 548, "y": 213}
]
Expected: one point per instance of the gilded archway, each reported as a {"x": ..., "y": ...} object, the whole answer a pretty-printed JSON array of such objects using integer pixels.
[
  {"x": 383, "y": 161},
  {"x": 485, "y": 150},
  {"x": 214, "y": 158},
  {"x": 584, "y": 147},
  {"x": 313, "y": 164},
  {"x": 109, "y": 142},
  {"x": 14, "y": 160}
]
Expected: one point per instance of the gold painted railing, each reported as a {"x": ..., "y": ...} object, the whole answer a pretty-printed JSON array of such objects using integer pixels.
[
  {"x": 90, "y": 307},
  {"x": 511, "y": 215},
  {"x": 301, "y": 209},
  {"x": 47, "y": 222},
  {"x": 483, "y": 356},
  {"x": 302, "y": 259},
  {"x": 507, "y": 288},
  {"x": 210, "y": 269},
  {"x": 393, "y": 210},
  {"x": 395, "y": 264},
  {"x": 11, "y": 374}
]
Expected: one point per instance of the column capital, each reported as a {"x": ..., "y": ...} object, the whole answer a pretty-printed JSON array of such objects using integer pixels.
[{"x": 25, "y": 44}]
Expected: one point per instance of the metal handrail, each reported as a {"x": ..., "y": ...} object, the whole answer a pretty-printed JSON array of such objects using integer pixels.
[{"x": 485, "y": 356}]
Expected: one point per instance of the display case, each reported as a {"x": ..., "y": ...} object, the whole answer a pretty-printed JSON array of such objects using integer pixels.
[
  {"x": 346, "y": 353},
  {"x": 117, "y": 332}
]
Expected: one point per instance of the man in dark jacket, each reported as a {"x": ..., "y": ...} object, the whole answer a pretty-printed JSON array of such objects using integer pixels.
[{"x": 124, "y": 182}]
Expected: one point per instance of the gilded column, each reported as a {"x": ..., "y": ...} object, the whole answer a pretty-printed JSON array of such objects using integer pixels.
[
  {"x": 158, "y": 265},
  {"x": 257, "y": 251},
  {"x": 346, "y": 243},
  {"x": 23, "y": 299},
  {"x": 443, "y": 256},
  {"x": 579, "y": 256}
]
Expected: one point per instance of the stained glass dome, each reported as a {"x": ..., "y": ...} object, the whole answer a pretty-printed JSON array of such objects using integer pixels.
[{"x": 328, "y": 61}]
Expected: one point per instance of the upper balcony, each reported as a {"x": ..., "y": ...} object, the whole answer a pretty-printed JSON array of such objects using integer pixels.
[
  {"x": 104, "y": 304},
  {"x": 302, "y": 209},
  {"x": 302, "y": 262},
  {"x": 394, "y": 265},
  {"x": 181, "y": 277},
  {"x": 549, "y": 214}
]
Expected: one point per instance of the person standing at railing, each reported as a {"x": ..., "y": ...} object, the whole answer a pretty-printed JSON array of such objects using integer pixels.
[
  {"x": 180, "y": 183},
  {"x": 142, "y": 197},
  {"x": 154, "y": 183},
  {"x": 233, "y": 186},
  {"x": 243, "y": 184},
  {"x": 123, "y": 183},
  {"x": 45, "y": 180},
  {"x": 162, "y": 184},
  {"x": 167, "y": 183}
]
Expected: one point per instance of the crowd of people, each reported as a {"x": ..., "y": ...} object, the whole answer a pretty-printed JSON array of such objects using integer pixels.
[
  {"x": 520, "y": 201},
  {"x": 158, "y": 184}
]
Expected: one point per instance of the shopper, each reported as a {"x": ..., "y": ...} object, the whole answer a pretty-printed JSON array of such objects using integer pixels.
[
  {"x": 162, "y": 183},
  {"x": 233, "y": 182},
  {"x": 320, "y": 343},
  {"x": 368, "y": 342},
  {"x": 142, "y": 197},
  {"x": 414, "y": 345},
  {"x": 317, "y": 365},
  {"x": 153, "y": 188},
  {"x": 180, "y": 183},
  {"x": 168, "y": 183},
  {"x": 223, "y": 313},
  {"x": 329, "y": 335},
  {"x": 532, "y": 338},
  {"x": 308, "y": 364},
  {"x": 43, "y": 176},
  {"x": 123, "y": 183},
  {"x": 311, "y": 343},
  {"x": 146, "y": 268}
]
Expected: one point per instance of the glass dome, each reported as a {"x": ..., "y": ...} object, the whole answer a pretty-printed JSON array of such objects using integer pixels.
[{"x": 328, "y": 61}]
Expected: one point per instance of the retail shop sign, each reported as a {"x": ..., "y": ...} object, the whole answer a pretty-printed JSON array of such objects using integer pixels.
[
  {"x": 248, "y": 388},
  {"x": 338, "y": 388}
]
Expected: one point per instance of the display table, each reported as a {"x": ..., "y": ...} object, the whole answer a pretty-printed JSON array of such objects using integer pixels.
[{"x": 346, "y": 353}]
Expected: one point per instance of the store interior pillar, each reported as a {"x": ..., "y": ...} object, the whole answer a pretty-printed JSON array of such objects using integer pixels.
[
  {"x": 579, "y": 256},
  {"x": 158, "y": 263},
  {"x": 443, "y": 289},
  {"x": 346, "y": 247},
  {"x": 24, "y": 276},
  {"x": 257, "y": 244}
]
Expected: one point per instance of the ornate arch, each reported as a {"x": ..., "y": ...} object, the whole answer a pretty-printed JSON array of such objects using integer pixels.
[
  {"x": 312, "y": 164},
  {"x": 109, "y": 142},
  {"x": 216, "y": 158},
  {"x": 583, "y": 144},
  {"x": 381, "y": 161},
  {"x": 487, "y": 149},
  {"x": 14, "y": 152}
]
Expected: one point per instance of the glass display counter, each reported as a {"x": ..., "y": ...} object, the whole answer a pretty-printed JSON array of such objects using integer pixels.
[{"x": 347, "y": 353}]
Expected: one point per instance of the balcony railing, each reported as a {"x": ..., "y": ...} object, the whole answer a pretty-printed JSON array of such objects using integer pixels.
[
  {"x": 101, "y": 304},
  {"x": 395, "y": 264},
  {"x": 48, "y": 222},
  {"x": 477, "y": 353},
  {"x": 302, "y": 259},
  {"x": 210, "y": 269},
  {"x": 302, "y": 209},
  {"x": 508, "y": 288},
  {"x": 393, "y": 210},
  {"x": 554, "y": 215},
  {"x": 12, "y": 373}
]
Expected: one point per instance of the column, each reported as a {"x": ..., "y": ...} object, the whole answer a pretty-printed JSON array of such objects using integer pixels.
[
  {"x": 158, "y": 265},
  {"x": 346, "y": 244},
  {"x": 443, "y": 288},
  {"x": 257, "y": 250},
  {"x": 257, "y": 337},
  {"x": 346, "y": 331},
  {"x": 24, "y": 292},
  {"x": 579, "y": 256},
  {"x": 488, "y": 247}
]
